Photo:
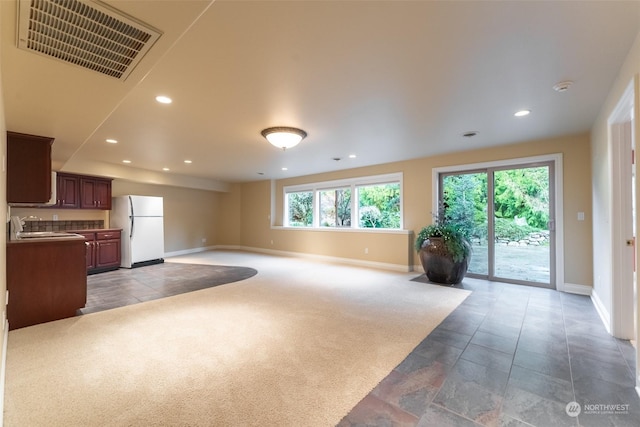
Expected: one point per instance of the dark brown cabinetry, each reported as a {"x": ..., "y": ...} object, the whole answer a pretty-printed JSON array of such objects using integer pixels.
[
  {"x": 95, "y": 193},
  {"x": 46, "y": 280},
  {"x": 67, "y": 191},
  {"x": 83, "y": 192},
  {"x": 103, "y": 250},
  {"x": 28, "y": 168}
]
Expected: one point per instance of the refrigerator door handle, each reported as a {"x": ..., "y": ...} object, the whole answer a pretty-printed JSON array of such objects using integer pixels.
[{"x": 131, "y": 207}]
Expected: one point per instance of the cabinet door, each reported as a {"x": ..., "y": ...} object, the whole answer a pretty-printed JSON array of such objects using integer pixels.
[
  {"x": 95, "y": 193},
  {"x": 107, "y": 253},
  {"x": 87, "y": 193},
  {"x": 28, "y": 168},
  {"x": 68, "y": 191},
  {"x": 89, "y": 239},
  {"x": 102, "y": 193}
]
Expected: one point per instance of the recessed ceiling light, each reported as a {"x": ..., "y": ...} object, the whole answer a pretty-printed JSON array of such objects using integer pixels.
[
  {"x": 166, "y": 169},
  {"x": 112, "y": 141},
  {"x": 126, "y": 161},
  {"x": 164, "y": 99},
  {"x": 352, "y": 156},
  {"x": 470, "y": 134},
  {"x": 285, "y": 169},
  {"x": 188, "y": 162},
  {"x": 522, "y": 113}
]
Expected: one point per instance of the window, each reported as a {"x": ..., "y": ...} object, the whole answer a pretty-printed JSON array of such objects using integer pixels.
[
  {"x": 299, "y": 209},
  {"x": 379, "y": 206},
  {"x": 335, "y": 208},
  {"x": 365, "y": 202}
]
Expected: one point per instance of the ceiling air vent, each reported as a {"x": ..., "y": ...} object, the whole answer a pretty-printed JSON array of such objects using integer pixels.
[{"x": 85, "y": 33}]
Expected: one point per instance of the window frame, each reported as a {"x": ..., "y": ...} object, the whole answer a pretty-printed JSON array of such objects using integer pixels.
[{"x": 353, "y": 184}]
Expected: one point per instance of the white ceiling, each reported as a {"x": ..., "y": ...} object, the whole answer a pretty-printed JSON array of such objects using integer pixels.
[{"x": 385, "y": 80}]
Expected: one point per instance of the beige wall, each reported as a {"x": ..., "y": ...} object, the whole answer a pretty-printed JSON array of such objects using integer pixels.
[
  {"x": 228, "y": 222},
  {"x": 394, "y": 248},
  {"x": 601, "y": 165},
  {"x": 189, "y": 215}
]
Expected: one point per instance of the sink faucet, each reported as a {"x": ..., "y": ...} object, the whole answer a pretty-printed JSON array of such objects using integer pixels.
[{"x": 16, "y": 227}]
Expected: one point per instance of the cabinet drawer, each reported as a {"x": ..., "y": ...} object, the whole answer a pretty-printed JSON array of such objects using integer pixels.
[{"x": 107, "y": 235}]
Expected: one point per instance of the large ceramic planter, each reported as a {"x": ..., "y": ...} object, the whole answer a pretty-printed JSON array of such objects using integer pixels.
[{"x": 439, "y": 265}]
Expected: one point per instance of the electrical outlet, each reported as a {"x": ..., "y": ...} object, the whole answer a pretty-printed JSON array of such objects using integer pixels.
[
  {"x": 204, "y": 240},
  {"x": 366, "y": 250},
  {"x": 55, "y": 217}
]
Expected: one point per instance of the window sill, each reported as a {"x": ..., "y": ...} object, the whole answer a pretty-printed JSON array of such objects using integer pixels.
[{"x": 344, "y": 230}]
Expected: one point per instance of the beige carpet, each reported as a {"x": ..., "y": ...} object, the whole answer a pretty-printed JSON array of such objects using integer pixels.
[{"x": 299, "y": 344}]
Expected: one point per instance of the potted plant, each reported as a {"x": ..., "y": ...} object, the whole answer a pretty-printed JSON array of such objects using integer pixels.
[{"x": 444, "y": 251}]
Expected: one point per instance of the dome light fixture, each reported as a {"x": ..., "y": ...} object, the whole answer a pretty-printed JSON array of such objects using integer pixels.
[
  {"x": 522, "y": 113},
  {"x": 284, "y": 137}
]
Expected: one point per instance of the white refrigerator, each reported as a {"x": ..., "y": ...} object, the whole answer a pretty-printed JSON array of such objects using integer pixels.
[{"x": 142, "y": 223}]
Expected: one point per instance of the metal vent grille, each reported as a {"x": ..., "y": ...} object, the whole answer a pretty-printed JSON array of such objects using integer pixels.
[{"x": 84, "y": 33}]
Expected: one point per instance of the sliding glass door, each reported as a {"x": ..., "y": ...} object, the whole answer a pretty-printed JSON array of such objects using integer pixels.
[{"x": 507, "y": 212}]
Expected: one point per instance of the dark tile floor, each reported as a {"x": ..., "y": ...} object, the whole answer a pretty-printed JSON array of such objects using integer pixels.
[
  {"x": 131, "y": 286},
  {"x": 512, "y": 356}
]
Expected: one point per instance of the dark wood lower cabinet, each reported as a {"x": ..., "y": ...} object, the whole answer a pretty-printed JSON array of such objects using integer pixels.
[
  {"x": 46, "y": 280},
  {"x": 103, "y": 250}
]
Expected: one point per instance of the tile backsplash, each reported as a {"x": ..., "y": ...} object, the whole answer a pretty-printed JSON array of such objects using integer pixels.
[{"x": 62, "y": 225}]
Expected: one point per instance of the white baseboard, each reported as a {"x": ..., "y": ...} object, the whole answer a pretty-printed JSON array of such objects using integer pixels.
[
  {"x": 574, "y": 288},
  {"x": 3, "y": 368},
  {"x": 325, "y": 258},
  {"x": 602, "y": 310},
  {"x": 189, "y": 251}
]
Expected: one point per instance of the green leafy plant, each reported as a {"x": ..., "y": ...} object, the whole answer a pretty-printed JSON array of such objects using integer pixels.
[{"x": 454, "y": 236}]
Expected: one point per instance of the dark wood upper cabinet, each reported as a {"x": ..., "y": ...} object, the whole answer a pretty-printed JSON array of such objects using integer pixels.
[
  {"x": 95, "y": 193},
  {"x": 82, "y": 192},
  {"x": 68, "y": 191},
  {"x": 28, "y": 168}
]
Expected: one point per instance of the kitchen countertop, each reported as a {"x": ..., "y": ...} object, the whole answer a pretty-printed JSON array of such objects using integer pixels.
[
  {"x": 45, "y": 240},
  {"x": 93, "y": 230}
]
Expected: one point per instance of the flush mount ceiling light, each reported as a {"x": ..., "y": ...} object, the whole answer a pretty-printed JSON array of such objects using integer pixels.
[
  {"x": 284, "y": 137},
  {"x": 164, "y": 99},
  {"x": 112, "y": 141},
  {"x": 522, "y": 113}
]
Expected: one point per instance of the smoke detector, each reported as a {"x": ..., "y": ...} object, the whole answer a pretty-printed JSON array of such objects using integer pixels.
[
  {"x": 562, "y": 86},
  {"x": 86, "y": 33}
]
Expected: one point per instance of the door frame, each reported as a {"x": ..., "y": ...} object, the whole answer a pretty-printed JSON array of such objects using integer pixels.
[
  {"x": 557, "y": 188},
  {"x": 623, "y": 304}
]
